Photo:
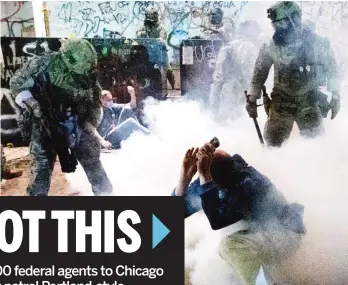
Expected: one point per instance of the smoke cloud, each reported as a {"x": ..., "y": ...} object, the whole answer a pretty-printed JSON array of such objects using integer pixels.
[{"x": 311, "y": 172}]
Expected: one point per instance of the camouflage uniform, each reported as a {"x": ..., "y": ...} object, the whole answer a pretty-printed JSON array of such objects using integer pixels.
[
  {"x": 158, "y": 32},
  {"x": 300, "y": 68},
  {"x": 153, "y": 32},
  {"x": 52, "y": 76}
]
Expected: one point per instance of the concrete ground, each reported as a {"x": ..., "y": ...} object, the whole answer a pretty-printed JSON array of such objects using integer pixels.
[{"x": 19, "y": 159}]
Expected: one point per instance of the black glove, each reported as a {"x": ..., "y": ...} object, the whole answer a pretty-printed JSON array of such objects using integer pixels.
[
  {"x": 335, "y": 106},
  {"x": 251, "y": 108}
]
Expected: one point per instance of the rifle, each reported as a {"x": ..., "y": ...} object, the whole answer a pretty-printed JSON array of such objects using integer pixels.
[
  {"x": 56, "y": 131},
  {"x": 266, "y": 100},
  {"x": 58, "y": 135}
]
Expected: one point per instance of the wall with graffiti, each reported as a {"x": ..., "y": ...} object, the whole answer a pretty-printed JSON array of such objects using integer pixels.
[
  {"x": 327, "y": 16},
  {"x": 110, "y": 19},
  {"x": 17, "y": 19},
  {"x": 123, "y": 18},
  {"x": 89, "y": 19}
]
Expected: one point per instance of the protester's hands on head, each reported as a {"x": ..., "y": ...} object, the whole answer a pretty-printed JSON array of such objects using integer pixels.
[
  {"x": 205, "y": 157},
  {"x": 189, "y": 167}
]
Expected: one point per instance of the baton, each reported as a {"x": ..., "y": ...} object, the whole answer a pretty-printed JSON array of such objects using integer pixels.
[{"x": 255, "y": 123}]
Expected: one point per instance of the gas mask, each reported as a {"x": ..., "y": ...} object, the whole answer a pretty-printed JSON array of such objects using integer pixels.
[
  {"x": 282, "y": 30},
  {"x": 151, "y": 17},
  {"x": 286, "y": 20},
  {"x": 216, "y": 16}
]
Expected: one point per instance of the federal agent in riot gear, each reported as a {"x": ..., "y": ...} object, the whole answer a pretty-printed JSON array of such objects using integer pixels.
[
  {"x": 303, "y": 62},
  {"x": 147, "y": 74},
  {"x": 152, "y": 29},
  {"x": 62, "y": 96},
  {"x": 218, "y": 28},
  {"x": 233, "y": 71}
]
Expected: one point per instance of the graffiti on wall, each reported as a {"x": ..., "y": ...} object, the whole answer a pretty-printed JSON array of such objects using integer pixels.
[
  {"x": 198, "y": 59},
  {"x": 89, "y": 19},
  {"x": 17, "y": 19},
  {"x": 116, "y": 19},
  {"x": 327, "y": 16},
  {"x": 330, "y": 19}
]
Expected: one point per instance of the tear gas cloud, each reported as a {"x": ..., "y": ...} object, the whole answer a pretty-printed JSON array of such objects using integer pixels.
[{"x": 310, "y": 172}]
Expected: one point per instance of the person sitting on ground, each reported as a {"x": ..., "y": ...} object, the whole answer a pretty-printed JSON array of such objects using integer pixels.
[
  {"x": 229, "y": 190},
  {"x": 119, "y": 120}
]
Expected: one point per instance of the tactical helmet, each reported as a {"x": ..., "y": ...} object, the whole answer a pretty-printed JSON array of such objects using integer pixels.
[
  {"x": 151, "y": 14},
  {"x": 217, "y": 11},
  {"x": 79, "y": 56},
  {"x": 283, "y": 10}
]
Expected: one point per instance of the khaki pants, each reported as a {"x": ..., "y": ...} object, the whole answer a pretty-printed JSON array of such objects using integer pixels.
[{"x": 246, "y": 251}]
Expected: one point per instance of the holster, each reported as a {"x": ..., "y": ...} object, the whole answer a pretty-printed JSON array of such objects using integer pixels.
[
  {"x": 65, "y": 153},
  {"x": 266, "y": 103}
]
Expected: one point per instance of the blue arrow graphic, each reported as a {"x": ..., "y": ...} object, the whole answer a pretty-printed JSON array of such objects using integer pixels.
[{"x": 159, "y": 231}]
